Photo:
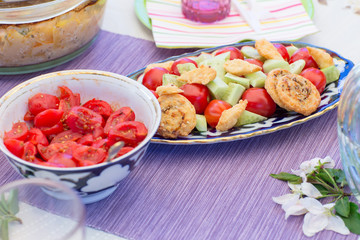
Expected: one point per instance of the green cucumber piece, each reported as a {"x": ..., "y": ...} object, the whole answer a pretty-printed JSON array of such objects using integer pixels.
[
  {"x": 257, "y": 79},
  {"x": 250, "y": 52},
  {"x": 249, "y": 117},
  {"x": 233, "y": 93},
  {"x": 298, "y": 66},
  {"x": 291, "y": 49},
  {"x": 185, "y": 67},
  {"x": 201, "y": 124},
  {"x": 202, "y": 57},
  {"x": 217, "y": 64},
  {"x": 171, "y": 79},
  {"x": 228, "y": 78},
  {"x": 217, "y": 88},
  {"x": 271, "y": 64},
  {"x": 332, "y": 74},
  {"x": 223, "y": 56}
]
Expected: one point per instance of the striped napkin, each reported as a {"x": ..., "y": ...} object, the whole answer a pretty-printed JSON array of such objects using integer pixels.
[{"x": 287, "y": 20}]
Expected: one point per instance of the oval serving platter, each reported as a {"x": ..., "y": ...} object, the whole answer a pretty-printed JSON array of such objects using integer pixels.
[{"x": 281, "y": 119}]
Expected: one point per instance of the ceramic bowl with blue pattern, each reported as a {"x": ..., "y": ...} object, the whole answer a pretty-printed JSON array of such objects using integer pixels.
[{"x": 96, "y": 182}]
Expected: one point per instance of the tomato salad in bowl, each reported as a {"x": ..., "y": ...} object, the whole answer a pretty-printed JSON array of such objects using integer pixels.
[
  {"x": 61, "y": 125},
  {"x": 245, "y": 90}
]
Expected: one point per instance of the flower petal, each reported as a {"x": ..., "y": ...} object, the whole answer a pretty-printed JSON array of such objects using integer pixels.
[
  {"x": 329, "y": 162},
  {"x": 336, "y": 224},
  {"x": 286, "y": 198},
  {"x": 314, "y": 223},
  {"x": 313, "y": 205},
  {"x": 295, "y": 209},
  {"x": 310, "y": 190},
  {"x": 296, "y": 188}
]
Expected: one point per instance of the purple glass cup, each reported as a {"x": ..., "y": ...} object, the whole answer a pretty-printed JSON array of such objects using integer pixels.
[{"x": 205, "y": 11}]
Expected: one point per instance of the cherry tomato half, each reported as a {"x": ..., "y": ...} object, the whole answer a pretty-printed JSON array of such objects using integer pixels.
[
  {"x": 42, "y": 101},
  {"x": 61, "y": 160},
  {"x": 315, "y": 76},
  {"x": 130, "y": 132},
  {"x": 198, "y": 95},
  {"x": 259, "y": 102},
  {"x": 19, "y": 131},
  {"x": 122, "y": 115},
  {"x": 153, "y": 78},
  {"x": 29, "y": 152},
  {"x": 48, "y": 121},
  {"x": 46, "y": 152},
  {"x": 235, "y": 53},
  {"x": 99, "y": 106},
  {"x": 68, "y": 135},
  {"x": 16, "y": 147},
  {"x": 282, "y": 50},
  {"x": 36, "y": 136},
  {"x": 73, "y": 99},
  {"x": 175, "y": 70},
  {"x": 83, "y": 154},
  {"x": 214, "y": 110},
  {"x": 83, "y": 120},
  {"x": 303, "y": 53}
]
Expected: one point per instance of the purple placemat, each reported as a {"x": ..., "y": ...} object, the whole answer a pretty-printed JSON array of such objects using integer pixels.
[{"x": 213, "y": 191}]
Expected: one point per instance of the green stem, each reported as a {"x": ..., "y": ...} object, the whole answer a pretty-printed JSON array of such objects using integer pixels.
[
  {"x": 324, "y": 184},
  {"x": 332, "y": 180}
]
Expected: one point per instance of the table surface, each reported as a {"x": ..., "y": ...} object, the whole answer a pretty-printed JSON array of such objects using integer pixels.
[{"x": 211, "y": 191}]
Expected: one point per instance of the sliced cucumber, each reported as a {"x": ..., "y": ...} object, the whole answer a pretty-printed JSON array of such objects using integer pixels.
[
  {"x": 298, "y": 66},
  {"x": 291, "y": 49},
  {"x": 171, "y": 79},
  {"x": 249, "y": 117},
  {"x": 332, "y": 74},
  {"x": 223, "y": 56},
  {"x": 257, "y": 79},
  {"x": 217, "y": 64},
  {"x": 201, "y": 124},
  {"x": 235, "y": 79},
  {"x": 233, "y": 93},
  {"x": 202, "y": 57},
  {"x": 217, "y": 88},
  {"x": 251, "y": 52},
  {"x": 271, "y": 64},
  {"x": 185, "y": 67}
]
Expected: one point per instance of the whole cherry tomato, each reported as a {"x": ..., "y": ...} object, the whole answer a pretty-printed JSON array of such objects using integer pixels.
[
  {"x": 256, "y": 62},
  {"x": 153, "y": 78},
  {"x": 282, "y": 50},
  {"x": 198, "y": 95},
  {"x": 235, "y": 53},
  {"x": 42, "y": 101},
  {"x": 303, "y": 53},
  {"x": 259, "y": 102},
  {"x": 315, "y": 76},
  {"x": 214, "y": 110},
  {"x": 175, "y": 70}
]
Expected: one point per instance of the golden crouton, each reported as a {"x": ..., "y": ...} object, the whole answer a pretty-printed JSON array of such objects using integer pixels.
[
  {"x": 230, "y": 116},
  {"x": 267, "y": 49},
  {"x": 240, "y": 67},
  {"x": 202, "y": 75},
  {"x": 168, "y": 89},
  {"x": 322, "y": 58}
]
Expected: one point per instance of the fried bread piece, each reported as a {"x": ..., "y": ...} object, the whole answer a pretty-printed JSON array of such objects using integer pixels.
[
  {"x": 202, "y": 75},
  {"x": 167, "y": 65},
  {"x": 178, "y": 116},
  {"x": 267, "y": 49},
  {"x": 240, "y": 67},
  {"x": 230, "y": 116},
  {"x": 168, "y": 89},
  {"x": 322, "y": 58}
]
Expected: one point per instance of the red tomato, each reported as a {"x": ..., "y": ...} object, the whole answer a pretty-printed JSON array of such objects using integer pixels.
[
  {"x": 28, "y": 116},
  {"x": 175, "y": 70},
  {"x": 256, "y": 62},
  {"x": 99, "y": 106},
  {"x": 61, "y": 160},
  {"x": 19, "y": 131},
  {"x": 29, "y": 152},
  {"x": 130, "y": 132},
  {"x": 46, "y": 152},
  {"x": 124, "y": 151},
  {"x": 101, "y": 143},
  {"x": 48, "y": 121},
  {"x": 198, "y": 95},
  {"x": 42, "y": 101},
  {"x": 66, "y": 136},
  {"x": 214, "y": 110},
  {"x": 16, "y": 147},
  {"x": 259, "y": 102},
  {"x": 153, "y": 78},
  {"x": 86, "y": 153},
  {"x": 36, "y": 136},
  {"x": 87, "y": 140},
  {"x": 73, "y": 99},
  {"x": 235, "y": 53},
  {"x": 315, "y": 76},
  {"x": 83, "y": 120},
  {"x": 122, "y": 115},
  {"x": 155, "y": 94},
  {"x": 303, "y": 53},
  {"x": 282, "y": 50}
]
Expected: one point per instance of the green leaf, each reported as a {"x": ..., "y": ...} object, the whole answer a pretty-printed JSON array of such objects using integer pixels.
[
  {"x": 13, "y": 202},
  {"x": 352, "y": 222},
  {"x": 322, "y": 175},
  {"x": 321, "y": 189},
  {"x": 338, "y": 175},
  {"x": 284, "y": 176},
  {"x": 4, "y": 230},
  {"x": 342, "y": 207}
]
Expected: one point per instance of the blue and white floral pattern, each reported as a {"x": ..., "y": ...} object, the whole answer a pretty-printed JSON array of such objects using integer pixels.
[{"x": 282, "y": 118}]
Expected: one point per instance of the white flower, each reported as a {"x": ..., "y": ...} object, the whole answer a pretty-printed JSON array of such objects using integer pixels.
[
  {"x": 321, "y": 217},
  {"x": 309, "y": 166},
  {"x": 291, "y": 204}
]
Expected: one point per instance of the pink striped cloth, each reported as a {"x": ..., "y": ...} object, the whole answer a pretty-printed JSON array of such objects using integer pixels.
[{"x": 287, "y": 20}]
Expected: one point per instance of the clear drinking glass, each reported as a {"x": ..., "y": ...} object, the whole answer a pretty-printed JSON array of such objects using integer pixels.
[
  {"x": 349, "y": 130},
  {"x": 206, "y": 11},
  {"x": 40, "y": 215}
]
